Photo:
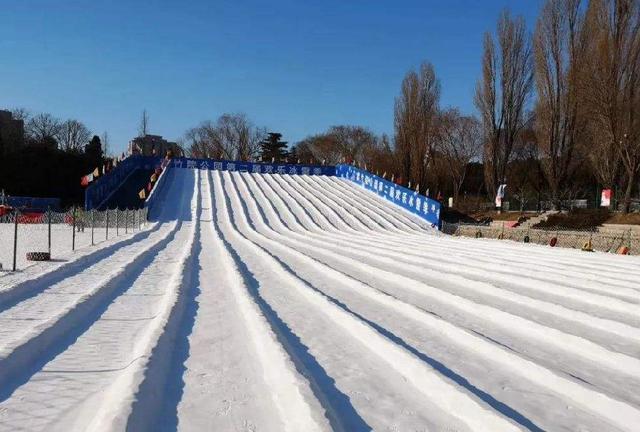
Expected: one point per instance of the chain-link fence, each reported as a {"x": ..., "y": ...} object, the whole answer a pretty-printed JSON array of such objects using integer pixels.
[
  {"x": 26, "y": 237},
  {"x": 624, "y": 240}
]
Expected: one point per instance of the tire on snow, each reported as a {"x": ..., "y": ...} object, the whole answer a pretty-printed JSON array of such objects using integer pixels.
[{"x": 38, "y": 256}]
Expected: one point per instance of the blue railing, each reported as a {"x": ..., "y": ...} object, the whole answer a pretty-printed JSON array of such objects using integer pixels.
[{"x": 102, "y": 188}]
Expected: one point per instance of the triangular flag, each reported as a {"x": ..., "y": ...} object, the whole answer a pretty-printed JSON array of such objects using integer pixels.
[
  {"x": 142, "y": 194},
  {"x": 418, "y": 187},
  {"x": 84, "y": 181},
  {"x": 96, "y": 172},
  {"x": 154, "y": 177}
]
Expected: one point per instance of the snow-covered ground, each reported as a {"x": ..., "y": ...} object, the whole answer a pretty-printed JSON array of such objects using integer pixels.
[
  {"x": 268, "y": 302},
  {"x": 34, "y": 238}
]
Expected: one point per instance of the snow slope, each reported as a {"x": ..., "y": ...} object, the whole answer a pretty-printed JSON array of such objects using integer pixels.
[{"x": 272, "y": 302}]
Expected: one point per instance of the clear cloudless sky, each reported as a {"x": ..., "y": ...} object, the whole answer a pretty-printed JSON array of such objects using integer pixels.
[{"x": 294, "y": 66}]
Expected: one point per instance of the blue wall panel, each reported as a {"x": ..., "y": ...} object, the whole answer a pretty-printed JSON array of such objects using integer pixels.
[{"x": 426, "y": 208}]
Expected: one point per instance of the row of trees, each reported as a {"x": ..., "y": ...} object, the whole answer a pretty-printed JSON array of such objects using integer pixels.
[
  {"x": 552, "y": 102},
  {"x": 54, "y": 156},
  {"x": 46, "y": 130},
  {"x": 558, "y": 112},
  {"x": 583, "y": 67}
]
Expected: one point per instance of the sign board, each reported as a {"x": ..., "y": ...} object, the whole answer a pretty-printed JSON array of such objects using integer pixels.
[
  {"x": 253, "y": 167},
  {"x": 500, "y": 195},
  {"x": 605, "y": 198}
]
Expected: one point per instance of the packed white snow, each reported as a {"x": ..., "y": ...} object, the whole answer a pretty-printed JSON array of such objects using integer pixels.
[
  {"x": 301, "y": 303},
  {"x": 35, "y": 238}
]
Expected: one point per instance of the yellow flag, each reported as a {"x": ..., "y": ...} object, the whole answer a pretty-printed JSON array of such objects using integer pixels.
[
  {"x": 96, "y": 172},
  {"x": 142, "y": 194},
  {"x": 154, "y": 177}
]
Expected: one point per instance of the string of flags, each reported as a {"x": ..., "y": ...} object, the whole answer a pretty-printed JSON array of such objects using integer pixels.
[
  {"x": 99, "y": 171},
  {"x": 143, "y": 194}
]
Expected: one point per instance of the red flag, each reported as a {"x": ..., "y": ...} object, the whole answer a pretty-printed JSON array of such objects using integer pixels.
[{"x": 84, "y": 181}]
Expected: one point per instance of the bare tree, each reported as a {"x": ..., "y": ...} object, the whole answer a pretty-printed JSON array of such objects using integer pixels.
[
  {"x": 21, "y": 114},
  {"x": 322, "y": 147},
  {"x": 559, "y": 57},
  {"x": 461, "y": 143},
  {"x": 43, "y": 129},
  {"x": 73, "y": 136},
  {"x": 415, "y": 119},
  {"x": 238, "y": 137},
  {"x": 143, "y": 128},
  {"x": 354, "y": 143},
  {"x": 502, "y": 95},
  {"x": 232, "y": 136},
  {"x": 613, "y": 89},
  {"x": 197, "y": 142}
]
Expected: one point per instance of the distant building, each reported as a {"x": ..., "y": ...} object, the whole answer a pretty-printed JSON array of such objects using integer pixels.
[
  {"x": 153, "y": 145},
  {"x": 11, "y": 133}
]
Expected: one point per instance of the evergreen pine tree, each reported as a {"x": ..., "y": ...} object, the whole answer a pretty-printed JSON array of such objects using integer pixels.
[{"x": 272, "y": 148}]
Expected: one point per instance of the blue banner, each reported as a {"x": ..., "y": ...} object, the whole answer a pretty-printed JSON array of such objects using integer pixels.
[
  {"x": 253, "y": 167},
  {"x": 426, "y": 208}
]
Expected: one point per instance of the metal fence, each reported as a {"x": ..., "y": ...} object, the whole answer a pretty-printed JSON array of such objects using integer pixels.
[
  {"x": 27, "y": 237},
  {"x": 603, "y": 240}
]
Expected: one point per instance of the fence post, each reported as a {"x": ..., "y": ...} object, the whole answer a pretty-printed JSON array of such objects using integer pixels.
[
  {"x": 106, "y": 225},
  {"x": 93, "y": 220},
  {"x": 15, "y": 238},
  {"x": 73, "y": 237},
  {"x": 49, "y": 230},
  {"x": 117, "y": 222}
]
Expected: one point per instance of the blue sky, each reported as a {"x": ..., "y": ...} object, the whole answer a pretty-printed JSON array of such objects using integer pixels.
[{"x": 296, "y": 67}]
